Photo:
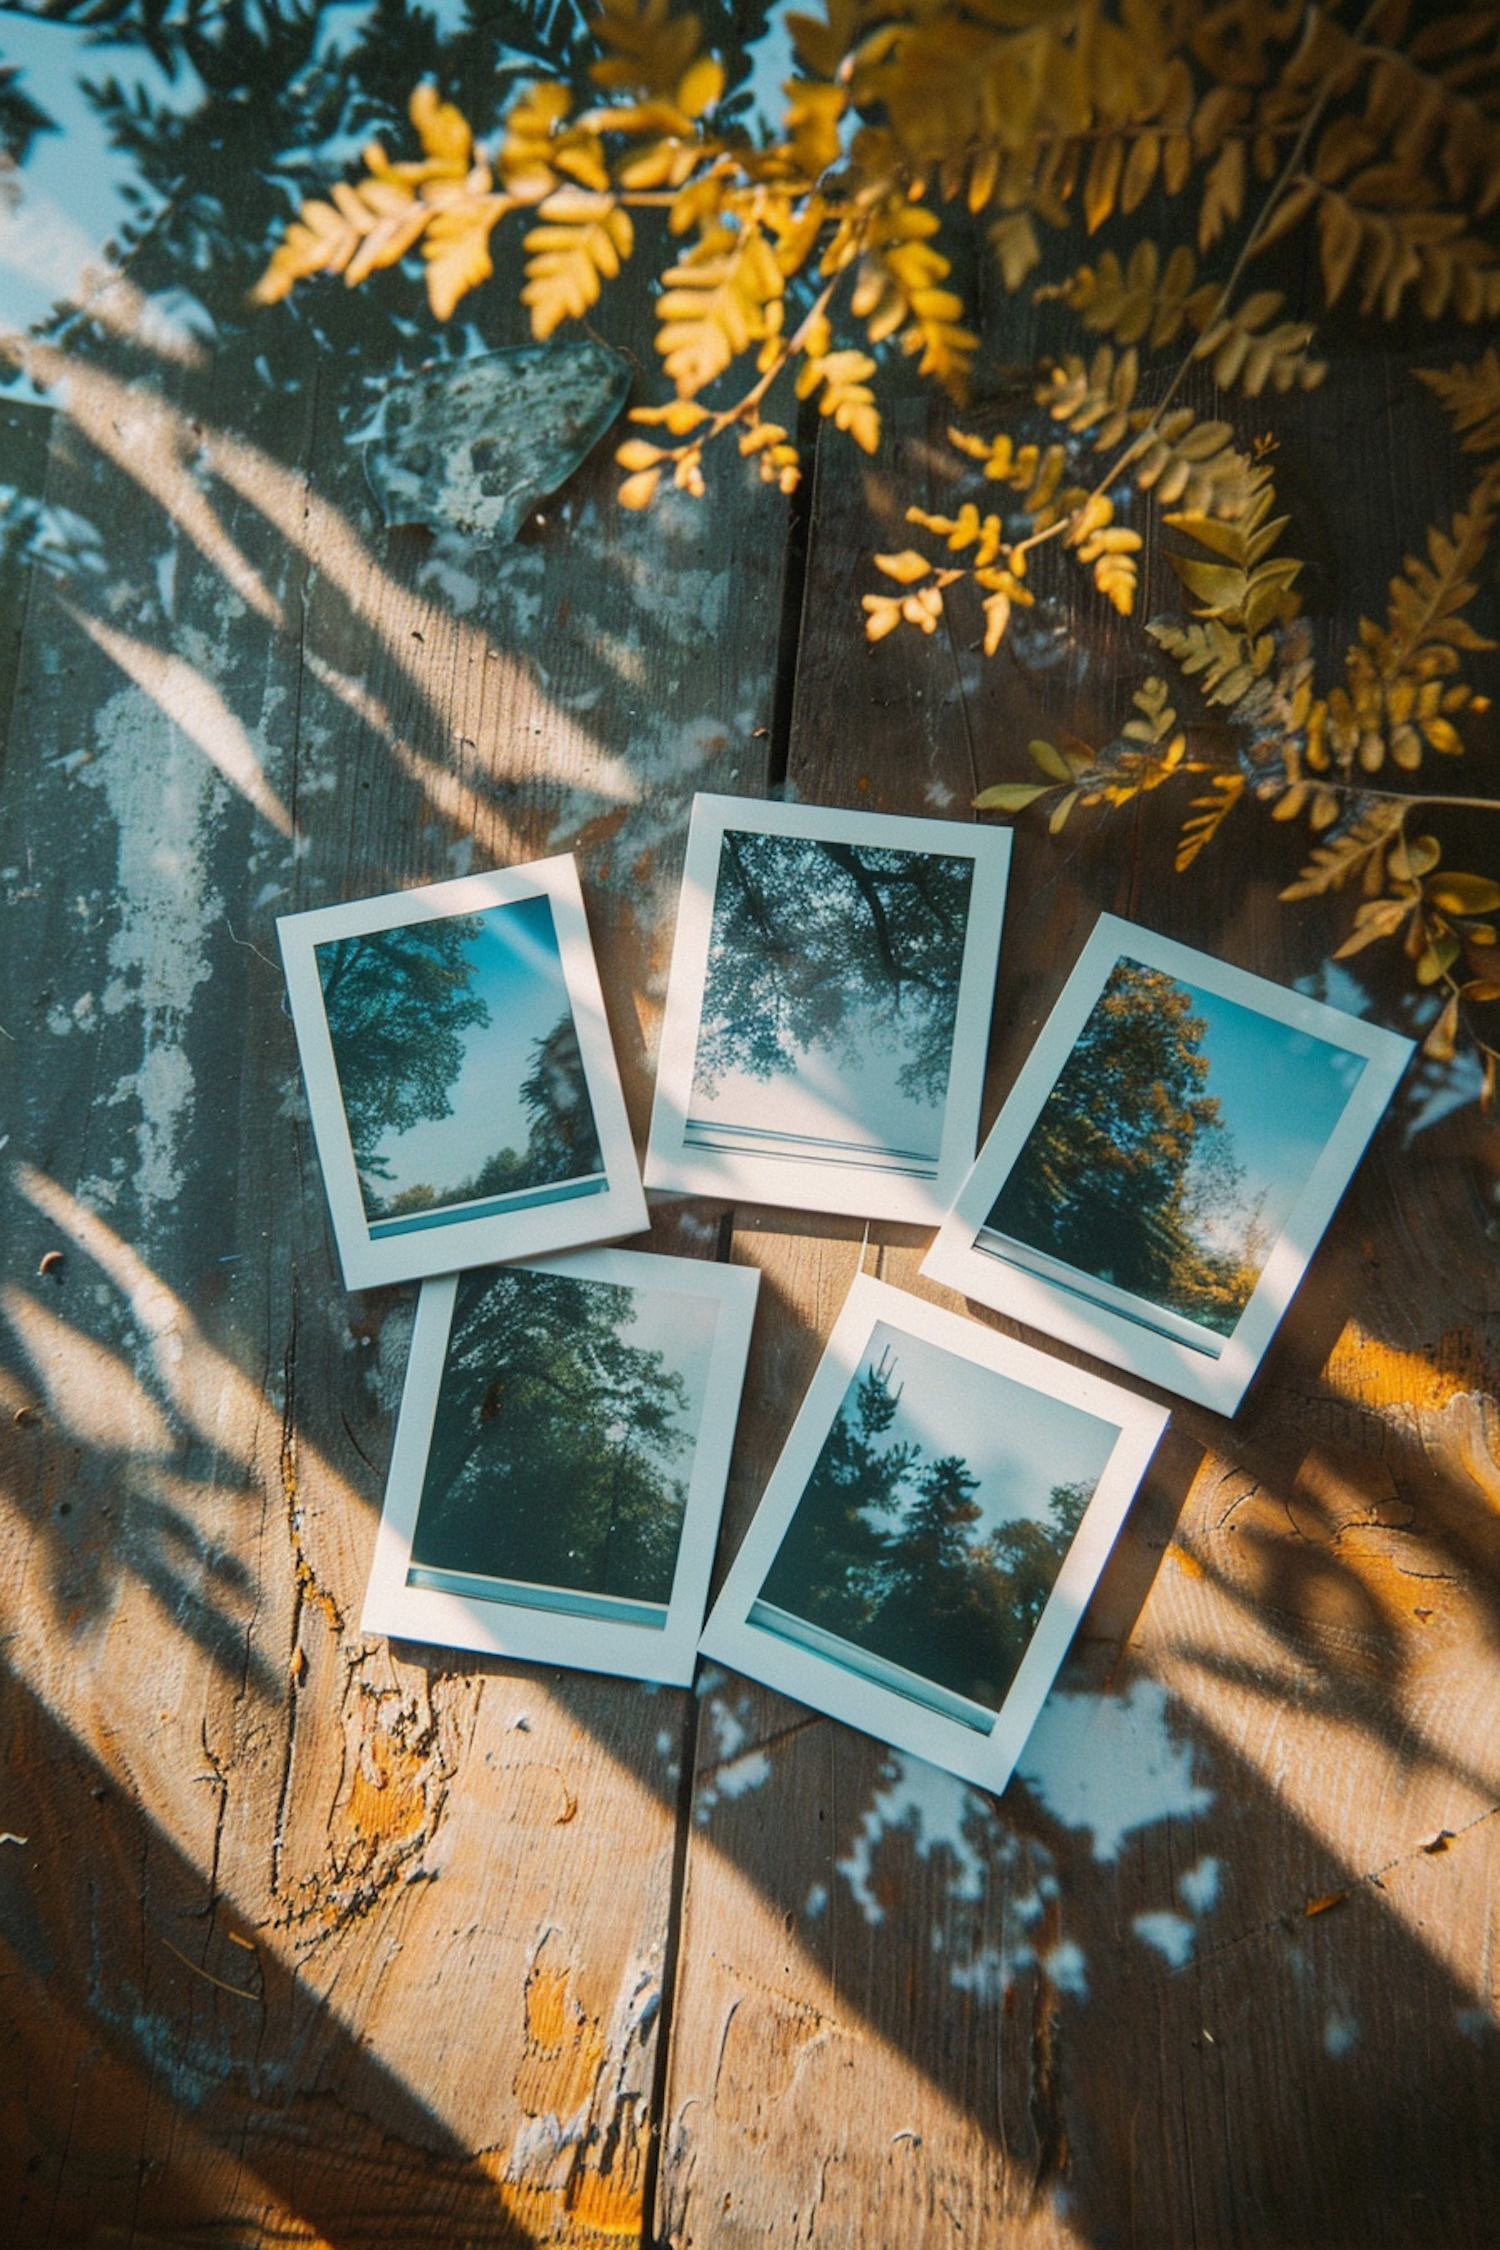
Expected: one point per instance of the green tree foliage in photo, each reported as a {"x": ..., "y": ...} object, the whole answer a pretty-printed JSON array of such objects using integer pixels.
[
  {"x": 835, "y": 946},
  {"x": 557, "y": 1444},
  {"x": 884, "y": 1551},
  {"x": 21, "y": 120},
  {"x": 562, "y": 1142},
  {"x": 398, "y": 1005},
  {"x": 1128, "y": 1146}
]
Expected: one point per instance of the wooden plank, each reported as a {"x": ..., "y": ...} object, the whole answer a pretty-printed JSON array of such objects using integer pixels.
[
  {"x": 1234, "y": 1919},
  {"x": 23, "y": 454},
  {"x": 310, "y": 1938},
  {"x": 849, "y": 2052}
]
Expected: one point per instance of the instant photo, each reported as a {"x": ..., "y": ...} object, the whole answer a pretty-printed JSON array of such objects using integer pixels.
[
  {"x": 829, "y": 1006},
  {"x": 932, "y": 1532},
  {"x": 1171, "y": 1154},
  {"x": 462, "y": 1084},
  {"x": 560, "y": 1460}
]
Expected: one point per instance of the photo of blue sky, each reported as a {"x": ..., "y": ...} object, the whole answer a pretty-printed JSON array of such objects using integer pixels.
[
  {"x": 458, "y": 1062},
  {"x": 931, "y": 1529},
  {"x": 1169, "y": 1155},
  {"x": 1281, "y": 1092},
  {"x": 1018, "y": 1442},
  {"x": 826, "y": 1032}
]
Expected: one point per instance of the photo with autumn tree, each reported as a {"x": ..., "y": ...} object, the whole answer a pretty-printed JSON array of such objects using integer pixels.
[{"x": 1169, "y": 1154}]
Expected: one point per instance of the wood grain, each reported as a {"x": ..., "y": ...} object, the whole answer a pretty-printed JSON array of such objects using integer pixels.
[
  {"x": 23, "y": 456},
  {"x": 1216, "y": 1968},
  {"x": 310, "y": 1938}
]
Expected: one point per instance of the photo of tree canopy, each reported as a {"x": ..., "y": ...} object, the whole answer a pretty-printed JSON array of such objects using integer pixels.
[
  {"x": 1167, "y": 1157},
  {"x": 562, "y": 1439},
  {"x": 832, "y": 990},
  {"x": 458, "y": 1063},
  {"x": 933, "y": 1526}
]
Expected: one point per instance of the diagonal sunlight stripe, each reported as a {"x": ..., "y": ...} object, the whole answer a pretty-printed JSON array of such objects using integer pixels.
[
  {"x": 44, "y": 245},
  {"x": 91, "y": 1393},
  {"x": 448, "y": 649},
  {"x": 190, "y": 700},
  {"x": 363, "y": 1772},
  {"x": 216, "y": 1401},
  {"x": 151, "y": 442},
  {"x": 396, "y": 1965},
  {"x": 1373, "y": 1768},
  {"x": 155, "y": 443},
  {"x": 448, "y": 796}
]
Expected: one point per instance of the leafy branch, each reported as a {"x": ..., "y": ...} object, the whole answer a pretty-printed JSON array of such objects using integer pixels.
[{"x": 801, "y": 263}]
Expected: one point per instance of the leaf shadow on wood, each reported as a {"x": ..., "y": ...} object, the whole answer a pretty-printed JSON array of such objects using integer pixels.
[
  {"x": 142, "y": 1501},
  {"x": 152, "y": 2088},
  {"x": 1095, "y": 1964}
]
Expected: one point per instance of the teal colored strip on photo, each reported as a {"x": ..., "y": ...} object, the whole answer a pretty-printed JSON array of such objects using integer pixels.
[
  {"x": 564, "y": 1191},
  {"x": 565, "y": 1600},
  {"x": 864, "y": 1664}
]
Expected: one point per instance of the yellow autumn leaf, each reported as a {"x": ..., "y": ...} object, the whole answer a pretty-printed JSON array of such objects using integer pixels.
[
  {"x": 1464, "y": 894},
  {"x": 1438, "y": 958},
  {"x": 442, "y": 129},
  {"x": 1016, "y": 247},
  {"x": 700, "y": 86},
  {"x": 813, "y": 117},
  {"x": 319, "y": 240},
  {"x": 1009, "y": 796},
  {"x": 1441, "y": 1042},
  {"x": 638, "y": 491},
  {"x": 1103, "y": 180},
  {"x": 397, "y": 220},
  {"x": 456, "y": 247},
  {"x": 882, "y": 615},
  {"x": 1053, "y": 761},
  {"x": 580, "y": 246},
  {"x": 906, "y": 567}
]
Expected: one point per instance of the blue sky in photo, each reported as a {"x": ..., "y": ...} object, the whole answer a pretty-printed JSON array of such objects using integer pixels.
[
  {"x": 1019, "y": 1442},
  {"x": 682, "y": 1329},
  {"x": 1282, "y": 1092},
  {"x": 519, "y": 976},
  {"x": 828, "y": 1097}
]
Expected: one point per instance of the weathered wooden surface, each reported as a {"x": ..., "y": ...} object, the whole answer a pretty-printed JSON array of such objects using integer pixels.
[
  {"x": 311, "y": 1940},
  {"x": 1202, "y": 1970}
]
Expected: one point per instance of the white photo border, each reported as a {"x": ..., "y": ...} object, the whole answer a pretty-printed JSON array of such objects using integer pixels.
[
  {"x": 987, "y": 1759},
  {"x": 1218, "y": 1381},
  {"x": 495, "y": 1627},
  {"x": 852, "y": 1188},
  {"x": 618, "y": 1209}
]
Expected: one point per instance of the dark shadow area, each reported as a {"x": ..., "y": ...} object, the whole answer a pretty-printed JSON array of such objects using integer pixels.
[
  {"x": 197, "y": 2020},
  {"x": 1126, "y": 1941},
  {"x": 1177, "y": 2054}
]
